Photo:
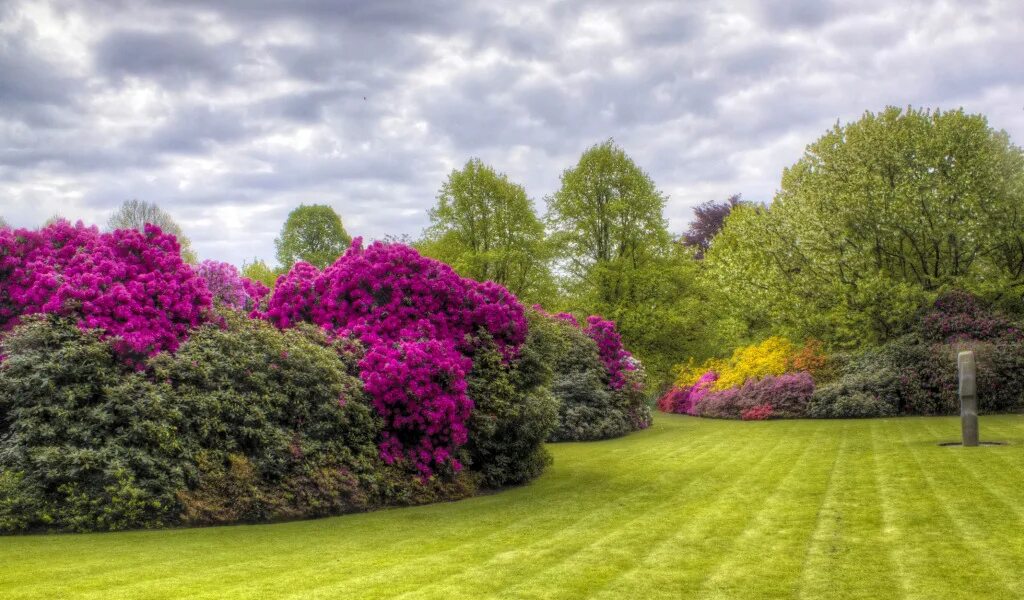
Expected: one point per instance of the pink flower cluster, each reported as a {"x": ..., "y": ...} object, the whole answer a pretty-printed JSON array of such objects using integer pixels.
[
  {"x": 132, "y": 285},
  {"x": 421, "y": 387},
  {"x": 388, "y": 295},
  {"x": 683, "y": 400},
  {"x": 783, "y": 396},
  {"x": 617, "y": 360},
  {"x": 228, "y": 286}
]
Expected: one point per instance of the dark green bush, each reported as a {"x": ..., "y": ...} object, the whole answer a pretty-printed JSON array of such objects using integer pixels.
[
  {"x": 280, "y": 424},
  {"x": 588, "y": 408},
  {"x": 911, "y": 376},
  {"x": 86, "y": 444},
  {"x": 243, "y": 423},
  {"x": 513, "y": 414}
]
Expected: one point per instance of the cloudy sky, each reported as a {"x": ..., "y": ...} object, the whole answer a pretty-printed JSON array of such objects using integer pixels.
[{"x": 229, "y": 114}]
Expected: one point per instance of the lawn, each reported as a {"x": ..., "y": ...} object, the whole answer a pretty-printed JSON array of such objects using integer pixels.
[{"x": 688, "y": 509}]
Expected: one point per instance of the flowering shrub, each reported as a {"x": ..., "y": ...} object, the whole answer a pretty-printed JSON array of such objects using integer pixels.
[
  {"x": 419, "y": 388},
  {"x": 132, "y": 285},
  {"x": 774, "y": 356},
  {"x": 682, "y": 400},
  {"x": 615, "y": 357},
  {"x": 786, "y": 395},
  {"x": 757, "y": 413},
  {"x": 229, "y": 288},
  {"x": 293, "y": 298},
  {"x": 419, "y": 321},
  {"x": 958, "y": 316}
]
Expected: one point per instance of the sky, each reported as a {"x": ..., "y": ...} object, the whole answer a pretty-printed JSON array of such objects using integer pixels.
[{"x": 230, "y": 114}]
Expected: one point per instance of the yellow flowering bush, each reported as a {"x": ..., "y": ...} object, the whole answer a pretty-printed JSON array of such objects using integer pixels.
[{"x": 774, "y": 356}]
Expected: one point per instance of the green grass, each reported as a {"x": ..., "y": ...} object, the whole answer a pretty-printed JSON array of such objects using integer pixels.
[{"x": 689, "y": 509}]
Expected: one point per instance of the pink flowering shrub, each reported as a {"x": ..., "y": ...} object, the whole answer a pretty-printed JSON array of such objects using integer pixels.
[
  {"x": 683, "y": 400},
  {"x": 416, "y": 316},
  {"x": 787, "y": 395},
  {"x": 615, "y": 357},
  {"x": 294, "y": 297},
  {"x": 132, "y": 285},
  {"x": 228, "y": 287},
  {"x": 419, "y": 387}
]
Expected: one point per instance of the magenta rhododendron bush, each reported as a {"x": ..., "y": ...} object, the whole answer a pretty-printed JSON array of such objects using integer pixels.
[
  {"x": 421, "y": 323},
  {"x": 228, "y": 287},
  {"x": 617, "y": 360},
  {"x": 132, "y": 285}
]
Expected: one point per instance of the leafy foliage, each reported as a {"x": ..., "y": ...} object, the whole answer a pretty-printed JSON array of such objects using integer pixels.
[
  {"x": 312, "y": 234},
  {"x": 514, "y": 413},
  {"x": 85, "y": 443},
  {"x": 486, "y": 228},
  {"x": 872, "y": 222}
]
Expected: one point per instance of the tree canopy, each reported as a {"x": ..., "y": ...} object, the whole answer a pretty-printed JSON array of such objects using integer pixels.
[
  {"x": 313, "y": 234},
  {"x": 618, "y": 259},
  {"x": 134, "y": 214},
  {"x": 875, "y": 219},
  {"x": 708, "y": 219},
  {"x": 485, "y": 227}
]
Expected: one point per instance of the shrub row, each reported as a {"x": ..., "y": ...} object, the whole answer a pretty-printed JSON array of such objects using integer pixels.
[{"x": 385, "y": 379}]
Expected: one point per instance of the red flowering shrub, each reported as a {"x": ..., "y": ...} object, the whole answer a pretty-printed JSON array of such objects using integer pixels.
[
  {"x": 132, "y": 285},
  {"x": 387, "y": 296},
  {"x": 757, "y": 413}
]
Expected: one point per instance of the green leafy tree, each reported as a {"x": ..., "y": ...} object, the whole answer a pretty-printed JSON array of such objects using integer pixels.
[
  {"x": 486, "y": 228},
  {"x": 608, "y": 225},
  {"x": 313, "y": 234},
  {"x": 618, "y": 259},
  {"x": 874, "y": 220},
  {"x": 134, "y": 214},
  {"x": 258, "y": 270}
]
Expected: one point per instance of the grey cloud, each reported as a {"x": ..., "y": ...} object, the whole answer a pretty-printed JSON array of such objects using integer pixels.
[
  {"x": 179, "y": 56},
  {"x": 256, "y": 106}
]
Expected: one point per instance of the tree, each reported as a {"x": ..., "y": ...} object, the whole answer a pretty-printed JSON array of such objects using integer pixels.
[
  {"x": 618, "y": 258},
  {"x": 876, "y": 219},
  {"x": 134, "y": 214},
  {"x": 708, "y": 219},
  {"x": 608, "y": 225},
  {"x": 486, "y": 228},
  {"x": 258, "y": 270},
  {"x": 4, "y": 224},
  {"x": 313, "y": 234}
]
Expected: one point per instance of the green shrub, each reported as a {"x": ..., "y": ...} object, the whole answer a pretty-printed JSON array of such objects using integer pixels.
[
  {"x": 588, "y": 408},
  {"x": 86, "y": 444},
  {"x": 914, "y": 377},
  {"x": 514, "y": 413},
  {"x": 282, "y": 423}
]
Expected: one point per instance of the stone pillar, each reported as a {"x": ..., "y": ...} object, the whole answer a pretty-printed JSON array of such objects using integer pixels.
[{"x": 968, "y": 398}]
